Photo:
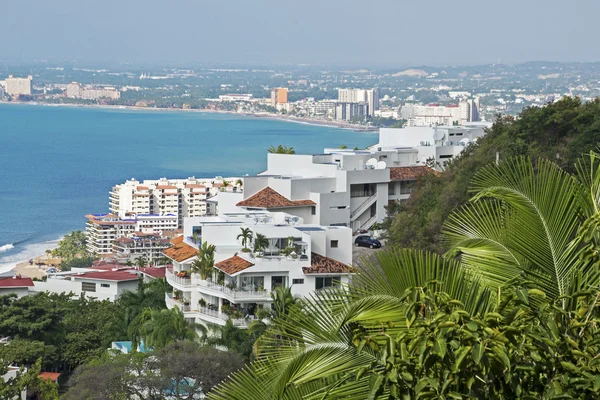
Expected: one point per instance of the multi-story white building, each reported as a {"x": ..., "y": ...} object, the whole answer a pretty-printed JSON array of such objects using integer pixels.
[
  {"x": 103, "y": 229},
  {"x": 296, "y": 255},
  {"x": 435, "y": 114},
  {"x": 367, "y": 96},
  {"x": 236, "y": 97},
  {"x": 184, "y": 197},
  {"x": 349, "y": 187},
  {"x": 77, "y": 91},
  {"x": 15, "y": 285},
  {"x": 18, "y": 86},
  {"x": 146, "y": 245},
  {"x": 351, "y": 111}
]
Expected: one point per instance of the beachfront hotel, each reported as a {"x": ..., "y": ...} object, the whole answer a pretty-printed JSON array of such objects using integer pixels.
[
  {"x": 183, "y": 197},
  {"x": 303, "y": 257},
  {"x": 106, "y": 234}
]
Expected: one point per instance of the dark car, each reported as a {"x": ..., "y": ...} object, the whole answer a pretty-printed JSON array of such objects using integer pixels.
[{"x": 367, "y": 241}]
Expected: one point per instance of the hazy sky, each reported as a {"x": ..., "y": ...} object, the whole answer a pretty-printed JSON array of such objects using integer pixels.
[{"x": 348, "y": 32}]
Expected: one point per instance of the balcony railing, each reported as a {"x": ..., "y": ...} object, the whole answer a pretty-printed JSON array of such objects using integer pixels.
[
  {"x": 235, "y": 294},
  {"x": 172, "y": 278},
  {"x": 241, "y": 322},
  {"x": 171, "y": 302},
  {"x": 363, "y": 206}
]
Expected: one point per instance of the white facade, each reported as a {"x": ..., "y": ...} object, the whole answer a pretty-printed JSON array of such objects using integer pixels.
[
  {"x": 434, "y": 114},
  {"x": 243, "y": 281},
  {"x": 184, "y": 197},
  {"x": 367, "y": 96},
  {"x": 439, "y": 143},
  {"x": 76, "y": 91},
  {"x": 103, "y": 229},
  {"x": 12, "y": 373},
  {"x": 91, "y": 282},
  {"x": 18, "y": 86}
]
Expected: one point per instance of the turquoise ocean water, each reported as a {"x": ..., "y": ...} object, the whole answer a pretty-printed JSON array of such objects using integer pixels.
[{"x": 58, "y": 163}]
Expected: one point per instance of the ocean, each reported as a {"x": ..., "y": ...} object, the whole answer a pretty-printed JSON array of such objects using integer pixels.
[{"x": 58, "y": 163}]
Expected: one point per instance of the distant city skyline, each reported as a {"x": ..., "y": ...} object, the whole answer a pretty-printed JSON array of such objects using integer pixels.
[{"x": 335, "y": 32}]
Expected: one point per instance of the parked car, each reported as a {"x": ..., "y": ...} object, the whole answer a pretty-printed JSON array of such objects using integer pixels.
[{"x": 367, "y": 241}]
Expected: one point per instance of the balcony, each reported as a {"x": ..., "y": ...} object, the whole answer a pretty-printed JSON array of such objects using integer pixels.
[
  {"x": 177, "y": 281},
  {"x": 217, "y": 317},
  {"x": 236, "y": 295},
  {"x": 172, "y": 303}
]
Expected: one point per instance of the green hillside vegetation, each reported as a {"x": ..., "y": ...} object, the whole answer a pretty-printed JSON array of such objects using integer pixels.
[{"x": 560, "y": 132}]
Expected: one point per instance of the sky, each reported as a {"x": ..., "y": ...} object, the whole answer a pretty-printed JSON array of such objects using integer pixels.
[{"x": 316, "y": 32}]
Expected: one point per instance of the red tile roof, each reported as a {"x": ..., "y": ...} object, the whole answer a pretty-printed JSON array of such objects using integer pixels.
[
  {"x": 153, "y": 272},
  {"x": 233, "y": 265},
  {"x": 15, "y": 281},
  {"x": 325, "y": 265},
  {"x": 53, "y": 376},
  {"x": 142, "y": 187},
  {"x": 177, "y": 240},
  {"x": 194, "y": 185},
  {"x": 269, "y": 198},
  {"x": 166, "y": 187},
  {"x": 409, "y": 173},
  {"x": 115, "y": 276},
  {"x": 180, "y": 251}
]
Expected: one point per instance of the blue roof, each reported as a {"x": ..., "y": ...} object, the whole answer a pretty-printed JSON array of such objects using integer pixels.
[{"x": 309, "y": 228}]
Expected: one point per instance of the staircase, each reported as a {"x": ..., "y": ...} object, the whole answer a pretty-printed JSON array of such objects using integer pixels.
[{"x": 363, "y": 207}]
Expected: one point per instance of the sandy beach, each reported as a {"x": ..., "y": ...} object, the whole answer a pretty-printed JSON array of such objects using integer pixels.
[{"x": 29, "y": 271}]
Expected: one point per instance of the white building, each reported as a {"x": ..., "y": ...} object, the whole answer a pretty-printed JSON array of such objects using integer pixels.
[
  {"x": 15, "y": 285},
  {"x": 103, "y": 229},
  {"x": 145, "y": 245},
  {"x": 236, "y": 97},
  {"x": 435, "y": 114},
  {"x": 349, "y": 187},
  {"x": 18, "y": 86},
  {"x": 12, "y": 373},
  {"x": 367, "y": 96},
  {"x": 75, "y": 90},
  {"x": 351, "y": 111},
  {"x": 184, "y": 197},
  {"x": 102, "y": 282},
  {"x": 303, "y": 257}
]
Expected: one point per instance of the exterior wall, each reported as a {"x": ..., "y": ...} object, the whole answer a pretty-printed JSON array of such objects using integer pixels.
[
  {"x": 18, "y": 86},
  {"x": 71, "y": 284},
  {"x": 19, "y": 291}
]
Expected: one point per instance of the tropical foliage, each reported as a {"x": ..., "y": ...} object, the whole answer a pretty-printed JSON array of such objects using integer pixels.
[
  {"x": 246, "y": 237},
  {"x": 205, "y": 261},
  {"x": 559, "y": 132},
  {"x": 182, "y": 370},
  {"x": 509, "y": 312},
  {"x": 71, "y": 245},
  {"x": 260, "y": 242},
  {"x": 280, "y": 149}
]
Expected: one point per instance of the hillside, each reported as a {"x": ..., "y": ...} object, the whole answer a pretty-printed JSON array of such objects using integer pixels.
[{"x": 561, "y": 131}]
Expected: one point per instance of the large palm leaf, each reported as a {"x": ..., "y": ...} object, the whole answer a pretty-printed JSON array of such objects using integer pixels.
[
  {"x": 311, "y": 350},
  {"x": 522, "y": 220}
]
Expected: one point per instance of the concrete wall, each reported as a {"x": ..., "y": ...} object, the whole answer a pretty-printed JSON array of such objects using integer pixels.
[
  {"x": 20, "y": 292},
  {"x": 405, "y": 137}
]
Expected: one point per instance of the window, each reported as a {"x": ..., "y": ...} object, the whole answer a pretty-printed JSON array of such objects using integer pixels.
[
  {"x": 313, "y": 210},
  {"x": 334, "y": 244},
  {"x": 277, "y": 281},
  {"x": 298, "y": 281},
  {"x": 104, "y": 285},
  {"x": 88, "y": 286},
  {"x": 446, "y": 156},
  {"x": 392, "y": 188},
  {"x": 325, "y": 282}
]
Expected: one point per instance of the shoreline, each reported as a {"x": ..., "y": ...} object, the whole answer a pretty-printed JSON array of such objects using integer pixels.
[{"x": 277, "y": 117}]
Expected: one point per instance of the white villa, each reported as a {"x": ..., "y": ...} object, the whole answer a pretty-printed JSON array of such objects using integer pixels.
[{"x": 304, "y": 257}]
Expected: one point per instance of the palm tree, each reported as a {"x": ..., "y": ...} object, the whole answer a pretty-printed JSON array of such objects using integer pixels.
[
  {"x": 205, "y": 261},
  {"x": 246, "y": 237},
  {"x": 525, "y": 222},
  {"x": 141, "y": 262},
  {"x": 310, "y": 346},
  {"x": 157, "y": 328},
  {"x": 280, "y": 149},
  {"x": 260, "y": 242},
  {"x": 239, "y": 183}
]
